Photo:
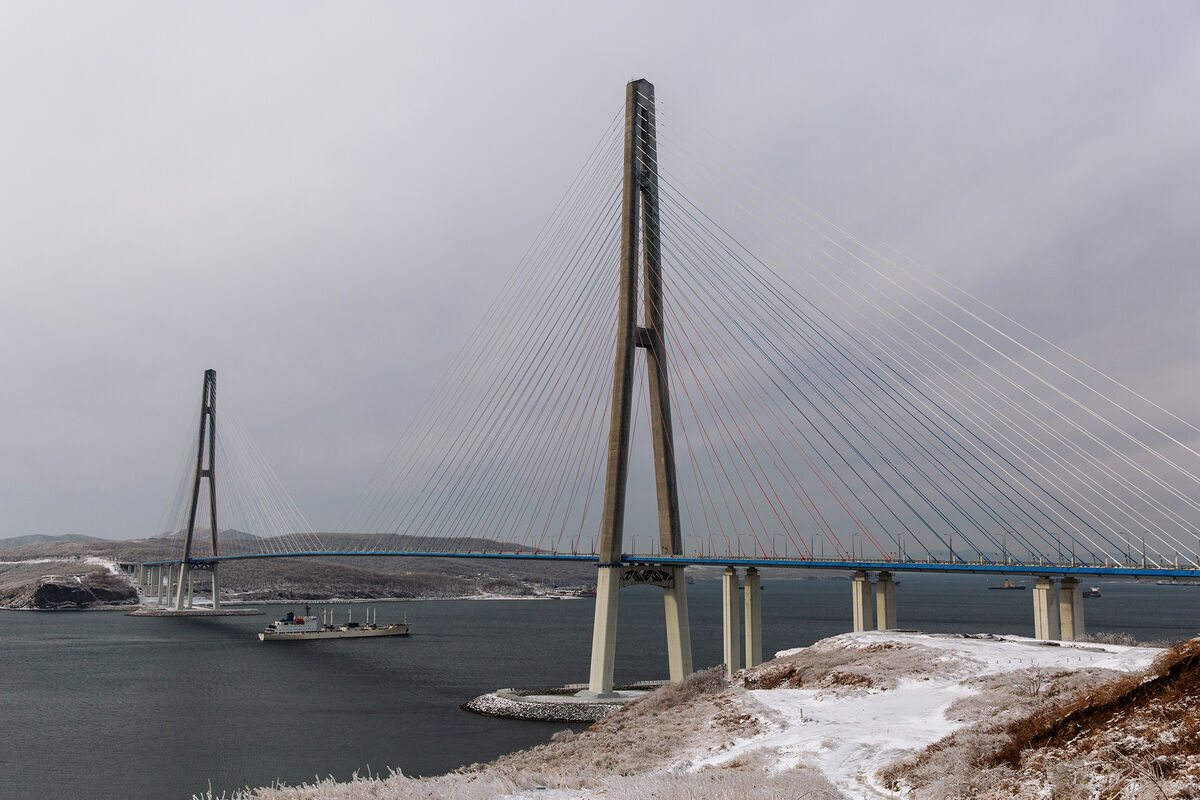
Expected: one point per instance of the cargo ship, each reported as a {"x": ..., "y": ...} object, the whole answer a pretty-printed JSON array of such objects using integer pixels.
[
  {"x": 294, "y": 627},
  {"x": 1008, "y": 584}
]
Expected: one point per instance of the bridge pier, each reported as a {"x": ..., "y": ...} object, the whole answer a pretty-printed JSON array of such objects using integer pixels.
[
  {"x": 604, "y": 631},
  {"x": 157, "y": 583},
  {"x": 178, "y": 596},
  {"x": 1070, "y": 609},
  {"x": 191, "y": 585},
  {"x": 216, "y": 590},
  {"x": 731, "y": 614},
  {"x": 885, "y": 602},
  {"x": 860, "y": 600},
  {"x": 753, "y": 603},
  {"x": 679, "y": 636},
  {"x": 1045, "y": 609},
  {"x": 609, "y": 581}
]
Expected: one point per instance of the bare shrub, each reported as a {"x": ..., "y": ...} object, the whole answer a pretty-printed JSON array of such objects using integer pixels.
[{"x": 1032, "y": 682}]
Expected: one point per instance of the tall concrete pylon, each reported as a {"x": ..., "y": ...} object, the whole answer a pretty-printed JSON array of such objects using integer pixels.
[
  {"x": 206, "y": 445},
  {"x": 639, "y": 225}
]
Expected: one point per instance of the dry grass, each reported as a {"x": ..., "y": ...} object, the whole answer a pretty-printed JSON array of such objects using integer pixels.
[
  {"x": 724, "y": 784},
  {"x": 1084, "y": 735},
  {"x": 1004, "y": 697},
  {"x": 698, "y": 684},
  {"x": 1166, "y": 692}
]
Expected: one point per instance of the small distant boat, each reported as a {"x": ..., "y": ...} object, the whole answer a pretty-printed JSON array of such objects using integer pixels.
[
  {"x": 294, "y": 627},
  {"x": 1008, "y": 584},
  {"x": 572, "y": 591},
  {"x": 1093, "y": 591},
  {"x": 1174, "y": 582}
]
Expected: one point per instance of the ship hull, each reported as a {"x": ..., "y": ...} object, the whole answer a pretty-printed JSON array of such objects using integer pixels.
[{"x": 355, "y": 633}]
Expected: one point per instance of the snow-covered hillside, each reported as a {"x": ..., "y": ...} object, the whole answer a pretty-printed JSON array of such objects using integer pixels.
[{"x": 852, "y": 716}]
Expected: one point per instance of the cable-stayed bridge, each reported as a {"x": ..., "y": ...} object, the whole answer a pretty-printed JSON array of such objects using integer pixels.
[{"x": 688, "y": 368}]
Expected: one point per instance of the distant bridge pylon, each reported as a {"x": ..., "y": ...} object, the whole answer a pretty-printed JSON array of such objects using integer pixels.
[{"x": 206, "y": 470}]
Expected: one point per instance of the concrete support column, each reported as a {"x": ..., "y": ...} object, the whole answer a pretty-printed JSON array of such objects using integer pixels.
[
  {"x": 191, "y": 588},
  {"x": 731, "y": 615},
  {"x": 158, "y": 587},
  {"x": 753, "y": 602},
  {"x": 1045, "y": 609},
  {"x": 679, "y": 636},
  {"x": 185, "y": 574},
  {"x": 860, "y": 600},
  {"x": 170, "y": 583},
  {"x": 1070, "y": 609},
  {"x": 216, "y": 603},
  {"x": 604, "y": 631},
  {"x": 885, "y": 602}
]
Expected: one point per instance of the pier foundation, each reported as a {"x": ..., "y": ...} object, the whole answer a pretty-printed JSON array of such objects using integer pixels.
[
  {"x": 753, "y": 603},
  {"x": 860, "y": 601},
  {"x": 732, "y": 640},
  {"x": 179, "y": 596},
  {"x": 1045, "y": 609},
  {"x": 885, "y": 602},
  {"x": 1070, "y": 609}
]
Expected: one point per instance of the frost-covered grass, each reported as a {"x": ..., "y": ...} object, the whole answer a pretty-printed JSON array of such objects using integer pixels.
[
  {"x": 852, "y": 704},
  {"x": 821, "y": 722},
  {"x": 1087, "y": 734},
  {"x": 725, "y": 784}
]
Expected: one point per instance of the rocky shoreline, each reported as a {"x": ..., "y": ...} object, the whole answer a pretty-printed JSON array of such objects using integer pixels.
[{"x": 64, "y": 586}]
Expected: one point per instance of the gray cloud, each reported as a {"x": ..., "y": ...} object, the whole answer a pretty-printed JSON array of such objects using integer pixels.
[{"x": 318, "y": 200}]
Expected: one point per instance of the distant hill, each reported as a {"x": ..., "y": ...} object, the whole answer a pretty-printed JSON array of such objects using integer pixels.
[
  {"x": 41, "y": 538},
  {"x": 200, "y": 533},
  {"x": 336, "y": 576}
]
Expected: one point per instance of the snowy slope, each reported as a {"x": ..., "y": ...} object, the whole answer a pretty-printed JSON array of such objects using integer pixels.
[
  {"x": 865, "y": 699},
  {"x": 850, "y": 736}
]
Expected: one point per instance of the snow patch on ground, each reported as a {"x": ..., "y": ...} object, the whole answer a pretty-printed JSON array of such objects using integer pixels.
[{"x": 850, "y": 736}]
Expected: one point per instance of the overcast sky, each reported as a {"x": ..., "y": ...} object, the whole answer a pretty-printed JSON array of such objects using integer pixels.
[{"x": 319, "y": 199}]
